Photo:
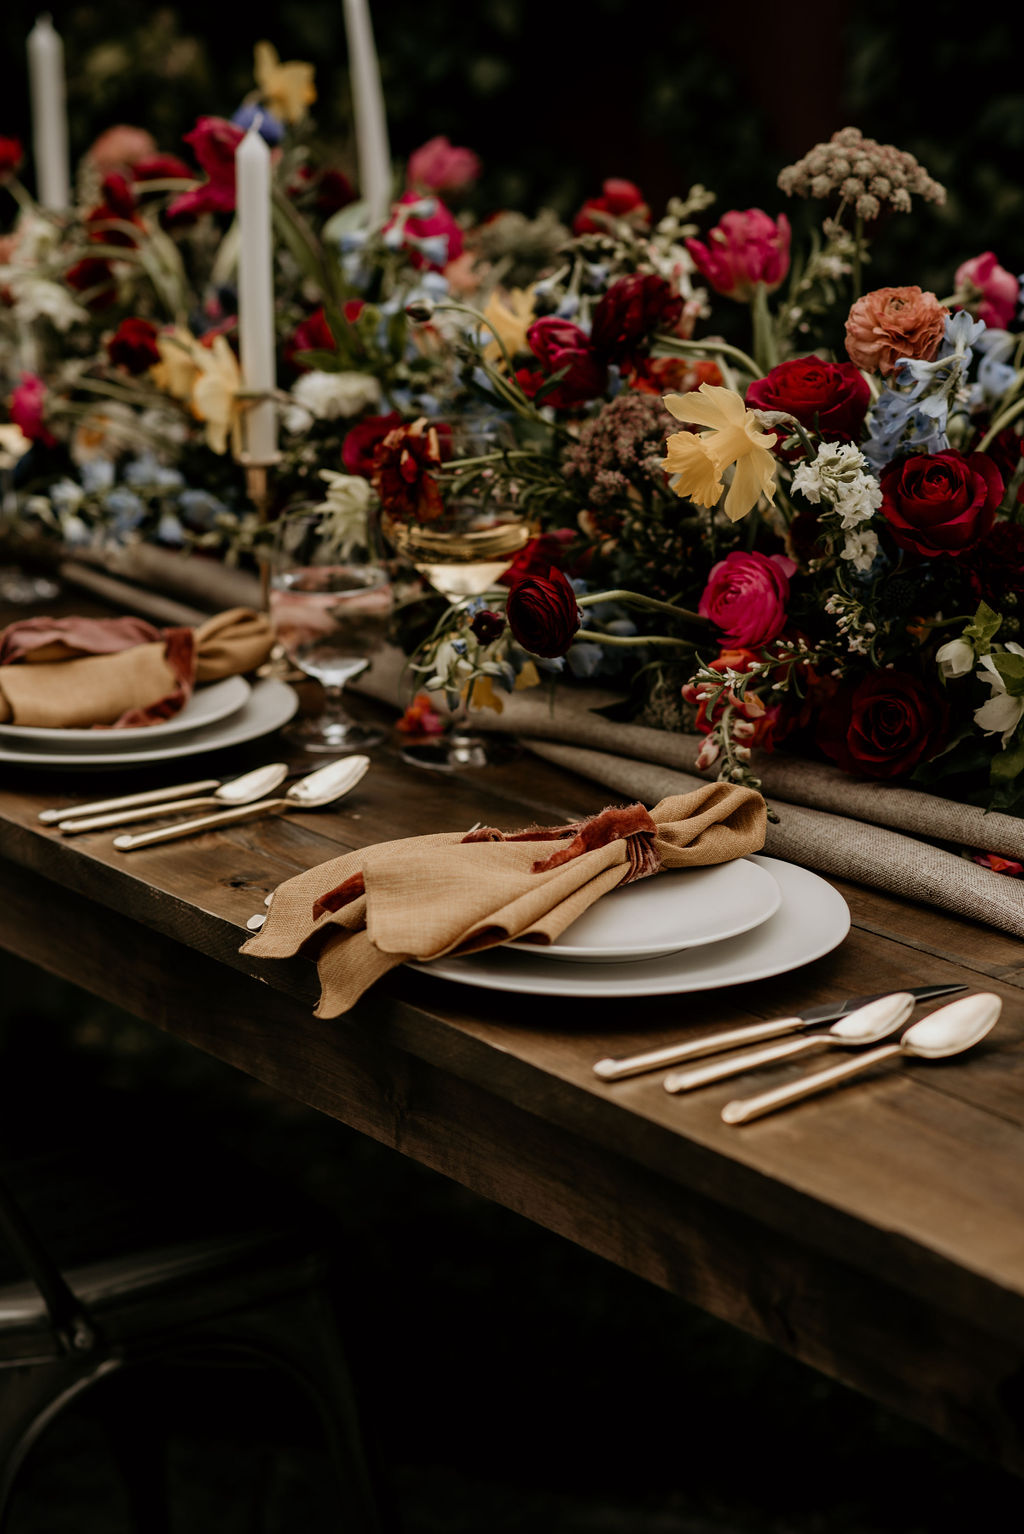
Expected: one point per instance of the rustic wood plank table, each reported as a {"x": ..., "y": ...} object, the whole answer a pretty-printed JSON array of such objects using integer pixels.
[{"x": 877, "y": 1235}]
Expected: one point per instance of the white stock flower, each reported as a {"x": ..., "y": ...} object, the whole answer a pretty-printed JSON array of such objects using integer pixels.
[
  {"x": 320, "y": 396},
  {"x": 838, "y": 475},
  {"x": 861, "y": 548},
  {"x": 955, "y": 657},
  {"x": 1002, "y": 713}
]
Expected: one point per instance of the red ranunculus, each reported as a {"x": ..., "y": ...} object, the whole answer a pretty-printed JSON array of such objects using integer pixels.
[
  {"x": 831, "y": 397},
  {"x": 559, "y": 344},
  {"x": 11, "y": 156},
  {"x": 746, "y": 596},
  {"x": 542, "y": 613},
  {"x": 883, "y": 727},
  {"x": 403, "y": 467},
  {"x": 27, "y": 409},
  {"x": 431, "y": 238},
  {"x": 133, "y": 346},
  {"x": 537, "y": 556},
  {"x": 363, "y": 440},
  {"x": 631, "y": 311},
  {"x": 93, "y": 276},
  {"x": 618, "y": 199},
  {"x": 989, "y": 290},
  {"x": 743, "y": 250},
  {"x": 215, "y": 141},
  {"x": 487, "y": 626},
  {"x": 941, "y": 503}
]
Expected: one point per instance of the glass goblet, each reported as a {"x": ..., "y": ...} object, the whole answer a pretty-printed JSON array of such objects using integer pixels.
[{"x": 331, "y": 605}]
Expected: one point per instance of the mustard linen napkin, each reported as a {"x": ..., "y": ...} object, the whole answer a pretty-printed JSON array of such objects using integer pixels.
[
  {"x": 449, "y": 892},
  {"x": 74, "y": 673}
]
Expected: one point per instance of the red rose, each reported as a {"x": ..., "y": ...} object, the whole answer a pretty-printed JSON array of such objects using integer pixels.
[
  {"x": 11, "y": 156},
  {"x": 618, "y": 199},
  {"x": 361, "y": 443},
  {"x": 995, "y": 568},
  {"x": 215, "y": 141},
  {"x": 133, "y": 346},
  {"x": 884, "y": 726},
  {"x": 632, "y": 310},
  {"x": 830, "y": 397},
  {"x": 559, "y": 344},
  {"x": 537, "y": 556},
  {"x": 542, "y": 613},
  {"x": 746, "y": 596},
  {"x": 941, "y": 503},
  {"x": 313, "y": 334}
]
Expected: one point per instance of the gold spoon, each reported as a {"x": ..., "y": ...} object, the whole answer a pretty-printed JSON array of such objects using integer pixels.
[{"x": 949, "y": 1031}]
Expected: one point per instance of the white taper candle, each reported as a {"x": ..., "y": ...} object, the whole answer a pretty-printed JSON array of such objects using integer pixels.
[
  {"x": 256, "y": 295},
  {"x": 49, "y": 115},
  {"x": 370, "y": 118}
]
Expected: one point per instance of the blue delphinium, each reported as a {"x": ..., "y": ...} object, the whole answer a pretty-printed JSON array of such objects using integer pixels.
[{"x": 912, "y": 413}]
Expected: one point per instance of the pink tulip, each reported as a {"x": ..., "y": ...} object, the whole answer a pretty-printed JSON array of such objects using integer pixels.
[{"x": 743, "y": 250}]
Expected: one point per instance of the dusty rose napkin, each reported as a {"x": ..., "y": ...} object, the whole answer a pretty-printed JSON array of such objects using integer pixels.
[
  {"x": 456, "y": 892},
  {"x": 73, "y": 673}
]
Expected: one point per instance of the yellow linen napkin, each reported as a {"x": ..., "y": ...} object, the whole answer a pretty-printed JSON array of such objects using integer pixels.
[{"x": 453, "y": 892}]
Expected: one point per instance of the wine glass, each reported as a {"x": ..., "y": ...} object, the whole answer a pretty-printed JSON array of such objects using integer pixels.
[
  {"x": 462, "y": 551},
  {"x": 330, "y": 603}
]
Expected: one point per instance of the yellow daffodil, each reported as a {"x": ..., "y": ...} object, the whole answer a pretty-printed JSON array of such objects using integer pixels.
[
  {"x": 511, "y": 314},
  {"x": 176, "y": 371},
  {"x": 287, "y": 89},
  {"x": 699, "y": 459},
  {"x": 215, "y": 396}
]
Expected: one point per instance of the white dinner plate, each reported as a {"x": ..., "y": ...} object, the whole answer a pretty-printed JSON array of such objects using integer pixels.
[
  {"x": 812, "y": 919},
  {"x": 207, "y": 705},
  {"x": 270, "y": 705},
  {"x": 681, "y": 909}
]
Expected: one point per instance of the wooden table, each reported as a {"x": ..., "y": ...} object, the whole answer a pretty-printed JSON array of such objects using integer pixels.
[{"x": 878, "y": 1235}]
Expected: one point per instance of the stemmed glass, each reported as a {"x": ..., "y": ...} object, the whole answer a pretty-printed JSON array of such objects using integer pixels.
[
  {"x": 331, "y": 603},
  {"x": 462, "y": 552}
]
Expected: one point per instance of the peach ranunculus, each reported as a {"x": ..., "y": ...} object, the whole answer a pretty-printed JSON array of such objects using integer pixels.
[
  {"x": 120, "y": 146},
  {"x": 892, "y": 323}
]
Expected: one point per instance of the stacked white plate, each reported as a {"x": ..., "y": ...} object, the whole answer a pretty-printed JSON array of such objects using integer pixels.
[
  {"x": 225, "y": 713},
  {"x": 694, "y": 929}
]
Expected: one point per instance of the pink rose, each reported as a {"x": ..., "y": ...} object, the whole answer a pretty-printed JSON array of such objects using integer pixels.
[
  {"x": 743, "y": 250},
  {"x": 26, "y": 409},
  {"x": 892, "y": 323},
  {"x": 121, "y": 146},
  {"x": 746, "y": 597},
  {"x": 988, "y": 290},
  {"x": 438, "y": 166}
]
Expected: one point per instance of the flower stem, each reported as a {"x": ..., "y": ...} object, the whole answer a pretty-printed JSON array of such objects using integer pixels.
[
  {"x": 637, "y": 599},
  {"x": 634, "y": 642},
  {"x": 673, "y": 344}
]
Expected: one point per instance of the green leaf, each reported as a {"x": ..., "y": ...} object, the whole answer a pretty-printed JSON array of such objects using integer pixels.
[
  {"x": 1011, "y": 670},
  {"x": 983, "y": 628},
  {"x": 1008, "y": 764}
]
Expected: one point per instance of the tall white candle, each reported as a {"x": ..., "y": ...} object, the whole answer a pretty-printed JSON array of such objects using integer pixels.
[
  {"x": 370, "y": 118},
  {"x": 49, "y": 115},
  {"x": 256, "y": 295}
]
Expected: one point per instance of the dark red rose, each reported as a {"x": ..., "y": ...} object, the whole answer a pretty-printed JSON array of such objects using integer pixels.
[
  {"x": 487, "y": 626},
  {"x": 106, "y": 221},
  {"x": 133, "y": 346},
  {"x": 995, "y": 568},
  {"x": 618, "y": 199},
  {"x": 1005, "y": 451},
  {"x": 884, "y": 727},
  {"x": 402, "y": 471},
  {"x": 214, "y": 141},
  {"x": 941, "y": 503},
  {"x": 11, "y": 156},
  {"x": 313, "y": 334},
  {"x": 362, "y": 441},
  {"x": 831, "y": 397},
  {"x": 559, "y": 344},
  {"x": 161, "y": 167},
  {"x": 631, "y": 311},
  {"x": 542, "y": 613},
  {"x": 537, "y": 557},
  {"x": 93, "y": 278}
]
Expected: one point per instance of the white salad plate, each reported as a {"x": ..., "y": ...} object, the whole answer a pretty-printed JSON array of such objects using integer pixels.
[
  {"x": 685, "y": 908},
  {"x": 207, "y": 705},
  {"x": 812, "y": 919},
  {"x": 270, "y": 705}
]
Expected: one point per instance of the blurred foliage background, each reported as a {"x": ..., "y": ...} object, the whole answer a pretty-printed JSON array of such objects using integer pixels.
[{"x": 555, "y": 97}]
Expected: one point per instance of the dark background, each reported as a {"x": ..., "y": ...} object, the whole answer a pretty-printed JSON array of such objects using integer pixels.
[{"x": 555, "y": 95}]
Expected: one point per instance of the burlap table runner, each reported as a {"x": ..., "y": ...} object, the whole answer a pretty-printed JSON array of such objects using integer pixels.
[
  {"x": 75, "y": 673},
  {"x": 424, "y": 896},
  {"x": 828, "y": 821}
]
